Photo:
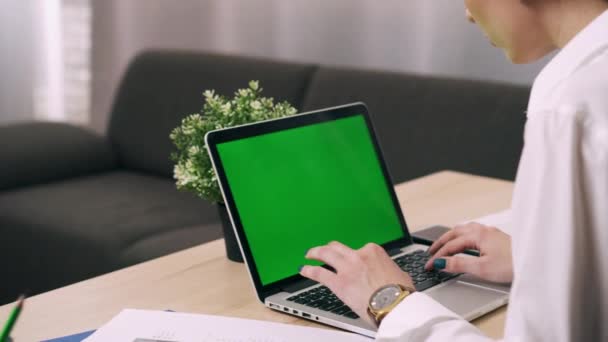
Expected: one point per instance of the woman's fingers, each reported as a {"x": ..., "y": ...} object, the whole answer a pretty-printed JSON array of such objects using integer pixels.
[
  {"x": 341, "y": 248},
  {"x": 441, "y": 241},
  {"x": 494, "y": 264},
  {"x": 320, "y": 275},
  {"x": 452, "y": 247},
  {"x": 458, "y": 245},
  {"x": 448, "y": 236},
  {"x": 334, "y": 254},
  {"x": 463, "y": 264}
]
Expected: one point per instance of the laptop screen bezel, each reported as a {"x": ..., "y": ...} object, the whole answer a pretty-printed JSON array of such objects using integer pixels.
[{"x": 214, "y": 138}]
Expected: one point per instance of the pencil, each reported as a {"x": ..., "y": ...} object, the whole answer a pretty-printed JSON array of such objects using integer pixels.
[{"x": 12, "y": 319}]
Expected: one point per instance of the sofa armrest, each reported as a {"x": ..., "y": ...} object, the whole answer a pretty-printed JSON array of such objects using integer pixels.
[{"x": 34, "y": 153}]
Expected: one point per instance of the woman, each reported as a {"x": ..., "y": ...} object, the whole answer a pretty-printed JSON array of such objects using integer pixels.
[{"x": 558, "y": 260}]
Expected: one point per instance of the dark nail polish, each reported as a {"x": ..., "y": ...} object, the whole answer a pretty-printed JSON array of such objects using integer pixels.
[{"x": 439, "y": 264}]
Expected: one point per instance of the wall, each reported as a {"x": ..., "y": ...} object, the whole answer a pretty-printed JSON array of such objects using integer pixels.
[
  {"x": 430, "y": 37},
  {"x": 16, "y": 60},
  {"x": 45, "y": 60}
]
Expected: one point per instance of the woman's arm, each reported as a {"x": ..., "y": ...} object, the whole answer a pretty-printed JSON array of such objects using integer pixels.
[{"x": 560, "y": 244}]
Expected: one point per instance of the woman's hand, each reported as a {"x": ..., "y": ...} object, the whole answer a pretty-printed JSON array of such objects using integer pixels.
[
  {"x": 495, "y": 260},
  {"x": 359, "y": 273}
]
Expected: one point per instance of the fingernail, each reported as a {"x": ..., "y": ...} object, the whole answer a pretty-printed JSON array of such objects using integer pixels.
[{"x": 439, "y": 264}]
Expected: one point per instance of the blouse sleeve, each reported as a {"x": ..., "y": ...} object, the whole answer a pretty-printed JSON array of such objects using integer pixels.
[{"x": 421, "y": 318}]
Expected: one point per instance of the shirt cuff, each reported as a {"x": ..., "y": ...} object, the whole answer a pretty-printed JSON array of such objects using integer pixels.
[{"x": 416, "y": 311}]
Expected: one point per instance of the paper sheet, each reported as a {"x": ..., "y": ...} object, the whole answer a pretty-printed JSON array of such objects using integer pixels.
[{"x": 160, "y": 326}]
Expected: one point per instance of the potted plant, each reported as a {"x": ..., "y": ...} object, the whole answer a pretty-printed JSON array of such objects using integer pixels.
[{"x": 193, "y": 170}]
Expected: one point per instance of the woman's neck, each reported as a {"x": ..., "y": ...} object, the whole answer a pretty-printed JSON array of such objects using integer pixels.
[{"x": 565, "y": 19}]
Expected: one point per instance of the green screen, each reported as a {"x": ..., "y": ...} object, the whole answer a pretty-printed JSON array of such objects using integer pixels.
[{"x": 304, "y": 187}]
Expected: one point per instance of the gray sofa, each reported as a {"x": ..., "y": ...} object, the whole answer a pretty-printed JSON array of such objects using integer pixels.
[{"x": 74, "y": 204}]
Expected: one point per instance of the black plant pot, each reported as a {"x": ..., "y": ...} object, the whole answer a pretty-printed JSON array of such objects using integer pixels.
[{"x": 232, "y": 246}]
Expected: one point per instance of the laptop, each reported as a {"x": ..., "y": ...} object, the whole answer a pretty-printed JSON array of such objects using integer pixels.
[{"x": 297, "y": 182}]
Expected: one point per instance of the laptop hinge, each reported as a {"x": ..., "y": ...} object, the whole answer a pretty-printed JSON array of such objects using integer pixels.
[{"x": 299, "y": 285}]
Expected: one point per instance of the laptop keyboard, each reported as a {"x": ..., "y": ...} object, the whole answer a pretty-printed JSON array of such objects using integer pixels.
[
  {"x": 413, "y": 263},
  {"x": 323, "y": 299}
]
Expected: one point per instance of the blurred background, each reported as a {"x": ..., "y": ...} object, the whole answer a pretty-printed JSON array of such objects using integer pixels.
[{"x": 62, "y": 59}]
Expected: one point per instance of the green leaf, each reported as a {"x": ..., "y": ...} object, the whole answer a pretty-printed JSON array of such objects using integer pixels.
[{"x": 193, "y": 170}]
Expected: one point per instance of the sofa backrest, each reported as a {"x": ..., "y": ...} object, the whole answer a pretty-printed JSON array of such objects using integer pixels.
[
  {"x": 162, "y": 87},
  {"x": 426, "y": 124}
]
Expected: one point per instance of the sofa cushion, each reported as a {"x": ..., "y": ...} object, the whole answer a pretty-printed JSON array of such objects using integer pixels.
[
  {"x": 68, "y": 231},
  {"x": 40, "y": 152},
  {"x": 160, "y": 88},
  {"x": 428, "y": 124}
]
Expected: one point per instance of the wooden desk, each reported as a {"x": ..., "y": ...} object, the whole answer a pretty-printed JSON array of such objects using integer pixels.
[{"x": 202, "y": 280}]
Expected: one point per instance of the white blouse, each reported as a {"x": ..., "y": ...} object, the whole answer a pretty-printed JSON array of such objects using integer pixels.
[{"x": 559, "y": 214}]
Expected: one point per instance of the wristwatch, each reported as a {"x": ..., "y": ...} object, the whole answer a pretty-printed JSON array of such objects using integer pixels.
[{"x": 385, "y": 299}]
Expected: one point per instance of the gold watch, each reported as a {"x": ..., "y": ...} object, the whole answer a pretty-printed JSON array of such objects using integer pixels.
[{"x": 385, "y": 299}]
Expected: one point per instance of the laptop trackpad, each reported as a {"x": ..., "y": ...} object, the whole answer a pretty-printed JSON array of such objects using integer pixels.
[{"x": 466, "y": 300}]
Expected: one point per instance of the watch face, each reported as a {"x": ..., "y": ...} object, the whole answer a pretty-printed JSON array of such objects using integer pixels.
[{"x": 385, "y": 297}]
